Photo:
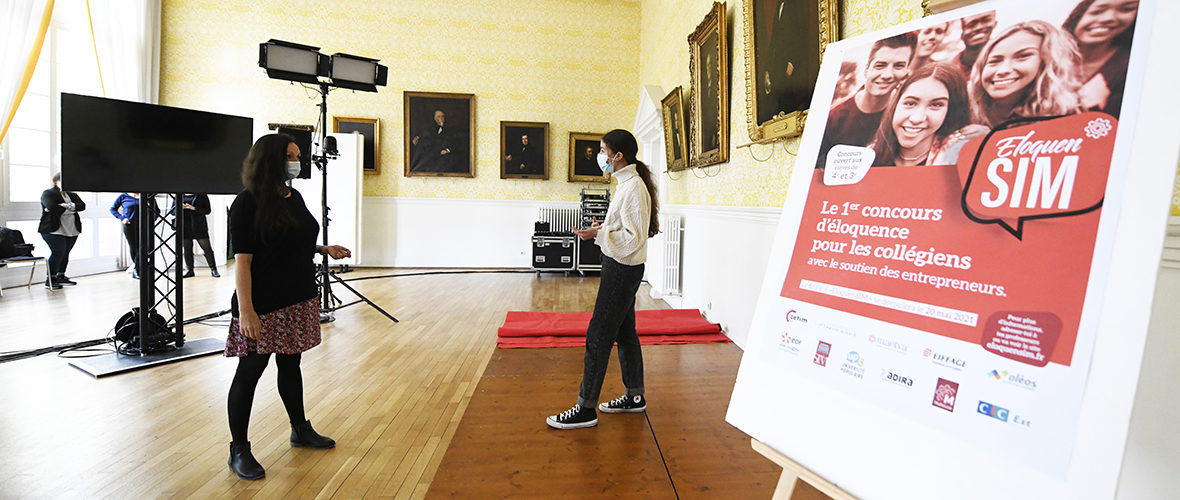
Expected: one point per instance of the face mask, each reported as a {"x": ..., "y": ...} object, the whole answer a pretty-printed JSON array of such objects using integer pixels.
[
  {"x": 605, "y": 163},
  {"x": 293, "y": 168}
]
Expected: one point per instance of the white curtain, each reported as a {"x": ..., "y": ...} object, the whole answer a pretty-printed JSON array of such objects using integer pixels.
[
  {"x": 20, "y": 21},
  {"x": 127, "y": 39}
]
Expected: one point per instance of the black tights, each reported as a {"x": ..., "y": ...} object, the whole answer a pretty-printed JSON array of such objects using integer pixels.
[
  {"x": 206, "y": 247},
  {"x": 241, "y": 391}
]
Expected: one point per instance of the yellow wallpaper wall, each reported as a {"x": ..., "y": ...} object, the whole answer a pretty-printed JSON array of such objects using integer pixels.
[
  {"x": 1176, "y": 194},
  {"x": 744, "y": 181},
  {"x": 572, "y": 63}
]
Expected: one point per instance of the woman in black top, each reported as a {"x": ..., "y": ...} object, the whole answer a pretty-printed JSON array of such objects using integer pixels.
[
  {"x": 275, "y": 309},
  {"x": 60, "y": 226},
  {"x": 196, "y": 207}
]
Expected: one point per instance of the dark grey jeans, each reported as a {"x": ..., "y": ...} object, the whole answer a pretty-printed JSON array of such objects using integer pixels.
[{"x": 613, "y": 321}]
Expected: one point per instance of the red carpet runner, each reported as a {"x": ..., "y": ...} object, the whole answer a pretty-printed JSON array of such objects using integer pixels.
[{"x": 661, "y": 326}]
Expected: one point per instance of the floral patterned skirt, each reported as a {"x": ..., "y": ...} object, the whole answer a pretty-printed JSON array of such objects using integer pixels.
[{"x": 290, "y": 330}]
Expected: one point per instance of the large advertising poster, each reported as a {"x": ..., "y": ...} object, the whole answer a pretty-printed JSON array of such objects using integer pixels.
[{"x": 942, "y": 260}]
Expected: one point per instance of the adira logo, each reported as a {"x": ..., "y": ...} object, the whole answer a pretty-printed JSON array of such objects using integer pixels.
[{"x": 1016, "y": 379}]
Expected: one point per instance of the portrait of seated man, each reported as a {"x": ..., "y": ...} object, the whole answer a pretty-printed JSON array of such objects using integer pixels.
[
  {"x": 524, "y": 157},
  {"x": 439, "y": 134},
  {"x": 434, "y": 146}
]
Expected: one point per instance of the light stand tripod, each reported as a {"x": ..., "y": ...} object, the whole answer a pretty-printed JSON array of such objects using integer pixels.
[{"x": 324, "y": 275}]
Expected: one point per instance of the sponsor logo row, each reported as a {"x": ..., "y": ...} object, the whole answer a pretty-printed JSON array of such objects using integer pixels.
[
  {"x": 945, "y": 391},
  {"x": 854, "y": 364},
  {"x": 795, "y": 320}
]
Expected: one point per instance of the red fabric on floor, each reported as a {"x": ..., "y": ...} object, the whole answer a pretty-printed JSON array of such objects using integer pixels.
[{"x": 661, "y": 326}]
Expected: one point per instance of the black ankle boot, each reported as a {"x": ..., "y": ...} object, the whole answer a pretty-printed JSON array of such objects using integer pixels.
[
  {"x": 242, "y": 462},
  {"x": 303, "y": 435},
  {"x": 213, "y": 271}
]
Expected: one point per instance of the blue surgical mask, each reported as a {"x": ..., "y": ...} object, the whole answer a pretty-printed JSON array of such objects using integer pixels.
[
  {"x": 605, "y": 163},
  {"x": 293, "y": 169}
]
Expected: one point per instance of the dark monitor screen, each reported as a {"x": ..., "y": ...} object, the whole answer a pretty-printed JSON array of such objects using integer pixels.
[{"x": 109, "y": 145}]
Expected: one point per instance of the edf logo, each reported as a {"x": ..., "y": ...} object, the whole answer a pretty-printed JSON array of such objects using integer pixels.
[{"x": 993, "y": 411}]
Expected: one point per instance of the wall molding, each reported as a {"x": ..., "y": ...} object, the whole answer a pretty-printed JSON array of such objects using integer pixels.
[
  {"x": 473, "y": 203},
  {"x": 758, "y": 215},
  {"x": 1171, "y": 255}
]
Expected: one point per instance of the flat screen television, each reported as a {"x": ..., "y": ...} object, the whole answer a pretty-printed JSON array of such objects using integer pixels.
[{"x": 110, "y": 145}]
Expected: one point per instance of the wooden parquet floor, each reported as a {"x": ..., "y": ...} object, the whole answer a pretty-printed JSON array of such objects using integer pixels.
[
  {"x": 392, "y": 395},
  {"x": 680, "y": 448}
]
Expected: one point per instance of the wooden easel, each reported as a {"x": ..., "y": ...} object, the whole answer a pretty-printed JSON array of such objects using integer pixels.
[{"x": 797, "y": 482}]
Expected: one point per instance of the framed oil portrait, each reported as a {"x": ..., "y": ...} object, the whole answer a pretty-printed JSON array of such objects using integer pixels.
[
  {"x": 370, "y": 129},
  {"x": 675, "y": 139},
  {"x": 584, "y": 158},
  {"x": 439, "y": 134},
  {"x": 782, "y": 61},
  {"x": 709, "y": 101},
  {"x": 524, "y": 150}
]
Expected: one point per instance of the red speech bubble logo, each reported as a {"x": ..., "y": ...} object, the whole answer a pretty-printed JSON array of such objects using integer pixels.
[{"x": 1037, "y": 168}]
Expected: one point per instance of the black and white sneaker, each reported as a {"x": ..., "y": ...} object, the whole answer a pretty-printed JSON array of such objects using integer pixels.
[
  {"x": 574, "y": 418},
  {"x": 624, "y": 404}
]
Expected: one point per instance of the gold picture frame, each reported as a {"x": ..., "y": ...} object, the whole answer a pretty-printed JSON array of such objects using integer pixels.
[
  {"x": 931, "y": 7},
  {"x": 431, "y": 150},
  {"x": 675, "y": 137},
  {"x": 520, "y": 160},
  {"x": 708, "y": 48},
  {"x": 583, "y": 166},
  {"x": 783, "y": 55},
  {"x": 370, "y": 129}
]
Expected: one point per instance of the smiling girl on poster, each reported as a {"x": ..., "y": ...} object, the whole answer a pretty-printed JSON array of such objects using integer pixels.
[
  {"x": 929, "y": 107},
  {"x": 1028, "y": 70}
]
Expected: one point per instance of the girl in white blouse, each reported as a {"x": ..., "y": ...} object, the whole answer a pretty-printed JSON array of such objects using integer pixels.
[{"x": 632, "y": 218}]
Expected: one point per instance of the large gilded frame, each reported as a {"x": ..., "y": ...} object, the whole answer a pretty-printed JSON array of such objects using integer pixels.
[
  {"x": 783, "y": 125},
  {"x": 675, "y": 136},
  {"x": 423, "y": 101},
  {"x": 714, "y": 24}
]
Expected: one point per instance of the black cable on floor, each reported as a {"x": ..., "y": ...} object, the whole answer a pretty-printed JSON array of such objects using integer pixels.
[
  {"x": 428, "y": 273},
  {"x": 662, "y": 459},
  {"x": 62, "y": 348}
]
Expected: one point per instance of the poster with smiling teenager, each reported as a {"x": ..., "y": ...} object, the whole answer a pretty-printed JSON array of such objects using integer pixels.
[{"x": 947, "y": 276}]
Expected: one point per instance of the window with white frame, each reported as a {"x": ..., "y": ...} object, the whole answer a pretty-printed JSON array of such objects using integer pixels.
[{"x": 30, "y": 152}]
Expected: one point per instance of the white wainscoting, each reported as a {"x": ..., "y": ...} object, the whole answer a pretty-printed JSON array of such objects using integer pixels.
[
  {"x": 432, "y": 232},
  {"x": 724, "y": 261},
  {"x": 725, "y": 248}
]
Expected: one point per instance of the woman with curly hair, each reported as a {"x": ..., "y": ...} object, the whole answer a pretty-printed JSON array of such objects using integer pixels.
[
  {"x": 1030, "y": 69},
  {"x": 1103, "y": 30}
]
